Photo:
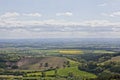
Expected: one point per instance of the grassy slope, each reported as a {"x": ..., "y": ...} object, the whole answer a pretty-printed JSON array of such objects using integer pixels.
[
  {"x": 73, "y": 63},
  {"x": 65, "y": 71},
  {"x": 74, "y": 70}
]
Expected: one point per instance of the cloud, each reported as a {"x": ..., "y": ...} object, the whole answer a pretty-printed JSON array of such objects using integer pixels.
[
  {"x": 64, "y": 14},
  {"x": 57, "y": 28},
  {"x": 96, "y": 26},
  {"x": 116, "y": 29},
  {"x": 10, "y": 14},
  {"x": 103, "y": 4},
  {"x": 13, "y": 15},
  {"x": 113, "y": 14},
  {"x": 33, "y": 14}
]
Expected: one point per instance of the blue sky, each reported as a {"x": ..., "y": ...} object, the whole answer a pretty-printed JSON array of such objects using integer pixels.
[{"x": 59, "y": 19}]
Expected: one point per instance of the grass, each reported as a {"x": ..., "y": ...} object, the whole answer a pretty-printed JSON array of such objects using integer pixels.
[
  {"x": 53, "y": 51},
  {"x": 31, "y": 78},
  {"x": 73, "y": 63},
  {"x": 59, "y": 51},
  {"x": 103, "y": 51},
  {"x": 40, "y": 78},
  {"x": 74, "y": 70},
  {"x": 64, "y": 72},
  {"x": 72, "y": 51},
  {"x": 4, "y": 77},
  {"x": 48, "y": 52},
  {"x": 34, "y": 74}
]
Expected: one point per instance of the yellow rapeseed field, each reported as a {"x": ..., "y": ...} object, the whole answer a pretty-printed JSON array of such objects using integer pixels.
[{"x": 71, "y": 51}]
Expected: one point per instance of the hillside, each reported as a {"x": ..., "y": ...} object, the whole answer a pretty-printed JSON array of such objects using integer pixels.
[
  {"x": 31, "y": 63},
  {"x": 114, "y": 59}
]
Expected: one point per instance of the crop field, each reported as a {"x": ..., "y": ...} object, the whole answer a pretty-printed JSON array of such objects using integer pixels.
[
  {"x": 9, "y": 77},
  {"x": 59, "y": 51},
  {"x": 70, "y": 51},
  {"x": 44, "y": 52},
  {"x": 103, "y": 51}
]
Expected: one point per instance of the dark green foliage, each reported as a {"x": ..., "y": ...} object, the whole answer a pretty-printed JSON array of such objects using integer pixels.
[
  {"x": 14, "y": 67},
  {"x": 46, "y": 65},
  {"x": 107, "y": 75},
  {"x": 56, "y": 73},
  {"x": 43, "y": 74}
]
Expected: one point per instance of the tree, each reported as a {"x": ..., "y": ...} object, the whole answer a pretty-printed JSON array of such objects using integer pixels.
[
  {"x": 46, "y": 65},
  {"x": 115, "y": 68},
  {"x": 68, "y": 63},
  {"x": 56, "y": 73},
  {"x": 105, "y": 75},
  {"x": 70, "y": 74},
  {"x": 14, "y": 67},
  {"x": 43, "y": 74}
]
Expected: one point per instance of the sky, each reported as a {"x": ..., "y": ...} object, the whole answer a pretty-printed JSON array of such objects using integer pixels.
[{"x": 21, "y": 19}]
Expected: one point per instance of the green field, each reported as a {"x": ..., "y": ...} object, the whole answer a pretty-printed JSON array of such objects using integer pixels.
[
  {"x": 103, "y": 51},
  {"x": 74, "y": 70},
  {"x": 64, "y": 72},
  {"x": 73, "y": 63}
]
